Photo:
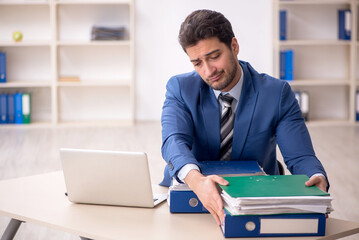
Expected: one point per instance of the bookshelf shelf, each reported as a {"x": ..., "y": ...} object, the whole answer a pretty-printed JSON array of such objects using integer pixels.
[
  {"x": 315, "y": 43},
  {"x": 57, "y": 44},
  {"x": 126, "y": 84},
  {"x": 19, "y": 84},
  {"x": 319, "y": 82},
  {"x": 24, "y": 3},
  {"x": 328, "y": 122},
  {"x": 95, "y": 2},
  {"x": 323, "y": 66},
  {"x": 94, "y": 43},
  {"x": 26, "y": 44},
  {"x": 311, "y": 2},
  {"x": 93, "y": 123}
]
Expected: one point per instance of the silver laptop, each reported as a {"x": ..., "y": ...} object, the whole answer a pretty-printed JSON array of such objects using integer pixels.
[{"x": 108, "y": 178}]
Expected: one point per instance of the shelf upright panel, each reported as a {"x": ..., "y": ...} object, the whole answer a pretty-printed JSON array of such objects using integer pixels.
[
  {"x": 54, "y": 63},
  {"x": 353, "y": 60},
  {"x": 132, "y": 59}
]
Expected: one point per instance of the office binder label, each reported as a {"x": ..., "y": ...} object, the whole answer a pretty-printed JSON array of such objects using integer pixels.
[{"x": 295, "y": 226}]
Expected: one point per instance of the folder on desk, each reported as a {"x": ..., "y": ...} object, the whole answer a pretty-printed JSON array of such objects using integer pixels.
[
  {"x": 282, "y": 194},
  {"x": 183, "y": 200},
  {"x": 277, "y": 225},
  {"x": 271, "y": 206},
  {"x": 270, "y": 186}
]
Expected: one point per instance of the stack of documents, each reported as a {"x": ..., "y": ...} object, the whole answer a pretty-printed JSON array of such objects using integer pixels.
[
  {"x": 107, "y": 33},
  {"x": 262, "y": 195}
]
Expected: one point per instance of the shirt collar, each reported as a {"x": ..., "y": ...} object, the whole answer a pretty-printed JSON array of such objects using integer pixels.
[{"x": 235, "y": 91}]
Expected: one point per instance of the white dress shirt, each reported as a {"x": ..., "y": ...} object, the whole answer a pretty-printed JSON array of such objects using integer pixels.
[{"x": 235, "y": 92}]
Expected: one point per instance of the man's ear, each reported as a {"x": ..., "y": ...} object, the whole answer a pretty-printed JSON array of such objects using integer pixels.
[{"x": 235, "y": 46}]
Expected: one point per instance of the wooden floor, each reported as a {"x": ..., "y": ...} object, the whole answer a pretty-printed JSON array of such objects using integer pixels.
[{"x": 29, "y": 151}]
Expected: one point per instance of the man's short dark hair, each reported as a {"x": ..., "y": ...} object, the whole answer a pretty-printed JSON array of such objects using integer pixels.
[{"x": 204, "y": 24}]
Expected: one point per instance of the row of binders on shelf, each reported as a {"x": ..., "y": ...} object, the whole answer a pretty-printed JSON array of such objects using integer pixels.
[
  {"x": 15, "y": 108},
  {"x": 2, "y": 67},
  {"x": 344, "y": 24},
  {"x": 259, "y": 205},
  {"x": 107, "y": 33}
]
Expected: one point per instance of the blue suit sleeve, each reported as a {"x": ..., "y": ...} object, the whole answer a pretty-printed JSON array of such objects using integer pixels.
[
  {"x": 293, "y": 137},
  {"x": 177, "y": 130}
]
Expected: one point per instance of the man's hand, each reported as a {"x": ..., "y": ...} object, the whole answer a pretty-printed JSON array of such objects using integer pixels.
[
  {"x": 318, "y": 181},
  {"x": 205, "y": 187}
]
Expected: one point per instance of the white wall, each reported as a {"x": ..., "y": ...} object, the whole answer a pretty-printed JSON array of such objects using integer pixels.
[{"x": 159, "y": 56}]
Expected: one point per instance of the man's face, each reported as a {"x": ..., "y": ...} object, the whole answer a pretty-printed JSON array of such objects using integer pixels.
[{"x": 216, "y": 63}]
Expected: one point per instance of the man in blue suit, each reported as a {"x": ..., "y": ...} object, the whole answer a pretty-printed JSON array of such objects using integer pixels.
[{"x": 226, "y": 110}]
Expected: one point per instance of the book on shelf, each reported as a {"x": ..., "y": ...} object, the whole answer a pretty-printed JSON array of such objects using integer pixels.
[
  {"x": 344, "y": 24},
  {"x": 297, "y": 95},
  {"x": 107, "y": 33},
  {"x": 357, "y": 105},
  {"x": 303, "y": 101},
  {"x": 69, "y": 79},
  {"x": 26, "y": 108},
  {"x": 183, "y": 200},
  {"x": 286, "y": 64},
  {"x": 18, "y": 108},
  {"x": 282, "y": 25},
  {"x": 2, "y": 67},
  {"x": 11, "y": 108},
  {"x": 3, "y": 109},
  {"x": 304, "y": 104}
]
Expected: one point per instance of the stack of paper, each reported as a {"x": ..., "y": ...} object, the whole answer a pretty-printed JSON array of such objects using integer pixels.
[{"x": 260, "y": 195}]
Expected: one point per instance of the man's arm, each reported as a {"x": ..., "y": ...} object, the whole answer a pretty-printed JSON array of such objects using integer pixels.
[
  {"x": 177, "y": 130},
  {"x": 177, "y": 137},
  {"x": 205, "y": 187},
  {"x": 294, "y": 141}
]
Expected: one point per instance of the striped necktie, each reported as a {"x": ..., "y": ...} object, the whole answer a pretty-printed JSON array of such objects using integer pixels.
[{"x": 227, "y": 121}]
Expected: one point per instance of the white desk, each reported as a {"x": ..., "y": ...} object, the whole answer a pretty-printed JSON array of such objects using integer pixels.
[{"x": 40, "y": 199}]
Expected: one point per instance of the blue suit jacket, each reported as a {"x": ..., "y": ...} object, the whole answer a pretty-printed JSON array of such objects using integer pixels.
[{"x": 267, "y": 113}]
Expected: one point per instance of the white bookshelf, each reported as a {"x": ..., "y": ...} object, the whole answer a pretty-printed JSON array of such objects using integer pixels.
[
  {"x": 57, "y": 43},
  {"x": 324, "y": 66}
]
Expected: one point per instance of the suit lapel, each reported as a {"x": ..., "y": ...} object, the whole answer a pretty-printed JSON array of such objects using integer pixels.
[
  {"x": 244, "y": 114},
  {"x": 210, "y": 111}
]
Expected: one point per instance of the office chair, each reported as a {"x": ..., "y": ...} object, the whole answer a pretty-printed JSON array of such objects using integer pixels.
[{"x": 281, "y": 168}]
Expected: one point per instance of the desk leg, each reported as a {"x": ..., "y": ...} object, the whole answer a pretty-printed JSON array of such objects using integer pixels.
[
  {"x": 83, "y": 238},
  {"x": 11, "y": 229}
]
